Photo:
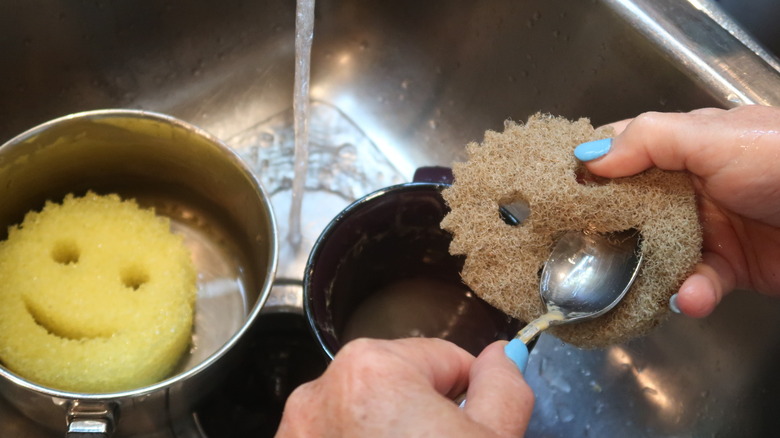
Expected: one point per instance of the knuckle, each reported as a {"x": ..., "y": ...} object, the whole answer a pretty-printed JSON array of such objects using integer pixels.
[
  {"x": 361, "y": 354},
  {"x": 648, "y": 120},
  {"x": 299, "y": 398},
  {"x": 362, "y": 365}
]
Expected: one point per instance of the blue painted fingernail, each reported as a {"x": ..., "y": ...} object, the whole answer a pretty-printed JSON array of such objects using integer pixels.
[
  {"x": 593, "y": 149},
  {"x": 517, "y": 352},
  {"x": 673, "y": 304}
]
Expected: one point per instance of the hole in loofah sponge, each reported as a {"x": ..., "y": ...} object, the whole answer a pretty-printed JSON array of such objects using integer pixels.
[
  {"x": 514, "y": 213},
  {"x": 134, "y": 276},
  {"x": 65, "y": 252}
]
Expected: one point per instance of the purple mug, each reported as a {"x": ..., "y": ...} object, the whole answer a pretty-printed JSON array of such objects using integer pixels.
[{"x": 382, "y": 269}]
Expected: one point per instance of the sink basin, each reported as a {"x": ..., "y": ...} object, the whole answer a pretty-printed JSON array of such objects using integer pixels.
[{"x": 406, "y": 84}]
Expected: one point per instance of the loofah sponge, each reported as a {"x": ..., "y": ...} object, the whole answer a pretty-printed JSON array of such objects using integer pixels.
[
  {"x": 96, "y": 295},
  {"x": 534, "y": 164}
]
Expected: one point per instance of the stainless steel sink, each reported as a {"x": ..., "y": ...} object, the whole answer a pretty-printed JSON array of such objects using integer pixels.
[{"x": 406, "y": 84}]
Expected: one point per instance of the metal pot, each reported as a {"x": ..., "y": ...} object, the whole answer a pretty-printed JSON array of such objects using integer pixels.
[{"x": 211, "y": 198}]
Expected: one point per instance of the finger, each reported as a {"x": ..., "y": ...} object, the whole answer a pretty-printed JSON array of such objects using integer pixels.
[
  {"x": 517, "y": 352},
  {"x": 372, "y": 383},
  {"x": 620, "y": 126},
  {"x": 703, "y": 290},
  {"x": 697, "y": 297},
  {"x": 498, "y": 397},
  {"x": 670, "y": 141},
  {"x": 708, "y": 111},
  {"x": 427, "y": 362},
  {"x": 445, "y": 365}
]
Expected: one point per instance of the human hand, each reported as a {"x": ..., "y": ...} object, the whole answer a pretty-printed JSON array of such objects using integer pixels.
[
  {"x": 377, "y": 388},
  {"x": 732, "y": 157}
]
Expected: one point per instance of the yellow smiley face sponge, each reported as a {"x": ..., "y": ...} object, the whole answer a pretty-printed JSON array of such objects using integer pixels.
[
  {"x": 96, "y": 295},
  {"x": 533, "y": 163}
]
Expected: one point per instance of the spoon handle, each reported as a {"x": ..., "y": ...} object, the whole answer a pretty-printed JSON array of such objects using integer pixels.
[
  {"x": 532, "y": 330},
  {"x": 529, "y": 332}
]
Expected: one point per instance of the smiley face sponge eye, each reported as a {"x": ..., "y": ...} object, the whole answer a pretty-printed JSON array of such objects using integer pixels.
[
  {"x": 534, "y": 164},
  {"x": 96, "y": 295}
]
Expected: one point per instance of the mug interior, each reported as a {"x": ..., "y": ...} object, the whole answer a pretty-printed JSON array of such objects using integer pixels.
[{"x": 382, "y": 269}]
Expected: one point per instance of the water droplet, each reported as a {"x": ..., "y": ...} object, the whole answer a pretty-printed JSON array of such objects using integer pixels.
[
  {"x": 542, "y": 366},
  {"x": 348, "y": 151},
  {"x": 560, "y": 384},
  {"x": 433, "y": 124},
  {"x": 266, "y": 139},
  {"x": 405, "y": 84},
  {"x": 733, "y": 98},
  {"x": 565, "y": 414},
  {"x": 650, "y": 391}
]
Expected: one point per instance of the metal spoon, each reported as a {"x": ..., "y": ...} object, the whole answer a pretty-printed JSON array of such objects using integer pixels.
[{"x": 586, "y": 275}]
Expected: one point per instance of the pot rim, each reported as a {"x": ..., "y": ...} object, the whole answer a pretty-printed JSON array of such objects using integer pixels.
[{"x": 265, "y": 290}]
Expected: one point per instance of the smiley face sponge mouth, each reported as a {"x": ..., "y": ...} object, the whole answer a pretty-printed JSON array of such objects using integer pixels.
[
  {"x": 96, "y": 295},
  {"x": 534, "y": 164}
]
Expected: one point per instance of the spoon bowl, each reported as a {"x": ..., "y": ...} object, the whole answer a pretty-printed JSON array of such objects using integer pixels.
[{"x": 586, "y": 275}]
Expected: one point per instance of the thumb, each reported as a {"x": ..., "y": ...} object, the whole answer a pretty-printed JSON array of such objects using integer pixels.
[
  {"x": 670, "y": 141},
  {"x": 498, "y": 396}
]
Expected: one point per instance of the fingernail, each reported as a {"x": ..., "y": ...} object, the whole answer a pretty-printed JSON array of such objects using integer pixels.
[
  {"x": 517, "y": 352},
  {"x": 673, "y": 304},
  {"x": 593, "y": 149}
]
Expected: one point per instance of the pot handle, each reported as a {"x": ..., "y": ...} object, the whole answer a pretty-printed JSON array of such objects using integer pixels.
[{"x": 91, "y": 419}]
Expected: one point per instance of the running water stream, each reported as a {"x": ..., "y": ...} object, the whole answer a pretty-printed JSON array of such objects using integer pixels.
[
  {"x": 312, "y": 150},
  {"x": 304, "y": 35}
]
